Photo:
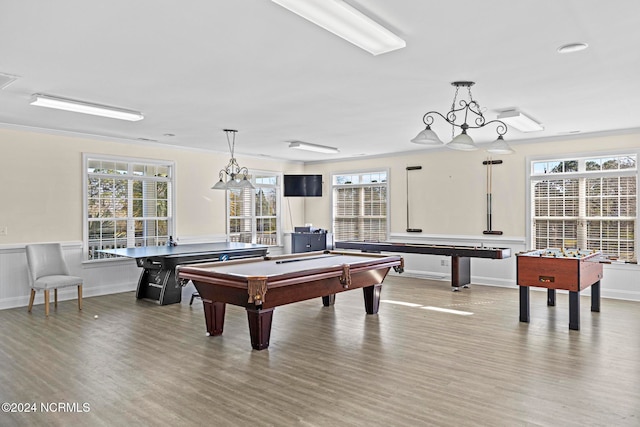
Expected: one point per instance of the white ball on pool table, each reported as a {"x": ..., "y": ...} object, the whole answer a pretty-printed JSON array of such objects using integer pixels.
[{"x": 95, "y": 317}]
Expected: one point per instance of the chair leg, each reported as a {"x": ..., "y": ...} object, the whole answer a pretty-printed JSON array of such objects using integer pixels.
[
  {"x": 55, "y": 298},
  {"x": 79, "y": 297},
  {"x": 31, "y": 298},
  {"x": 46, "y": 302}
]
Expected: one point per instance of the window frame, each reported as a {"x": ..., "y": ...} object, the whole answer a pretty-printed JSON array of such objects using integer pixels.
[
  {"x": 254, "y": 217},
  {"x": 171, "y": 209},
  {"x": 581, "y": 157},
  {"x": 361, "y": 172}
]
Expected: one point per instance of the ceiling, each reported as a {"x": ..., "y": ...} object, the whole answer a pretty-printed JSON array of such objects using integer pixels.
[{"x": 196, "y": 67}]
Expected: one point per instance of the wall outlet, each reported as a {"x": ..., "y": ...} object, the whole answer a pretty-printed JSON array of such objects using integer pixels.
[{"x": 4, "y": 230}]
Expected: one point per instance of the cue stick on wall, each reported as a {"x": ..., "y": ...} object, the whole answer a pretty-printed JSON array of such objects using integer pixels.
[
  {"x": 489, "y": 163},
  {"x": 409, "y": 229}
]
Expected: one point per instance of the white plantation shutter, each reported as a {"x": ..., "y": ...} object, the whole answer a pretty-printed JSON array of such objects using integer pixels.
[
  {"x": 585, "y": 202},
  {"x": 267, "y": 220},
  {"x": 360, "y": 206},
  {"x": 240, "y": 217},
  {"x": 254, "y": 215},
  {"x": 346, "y": 213},
  {"x": 128, "y": 202}
]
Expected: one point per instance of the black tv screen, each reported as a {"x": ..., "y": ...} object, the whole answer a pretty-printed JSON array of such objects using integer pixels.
[{"x": 302, "y": 185}]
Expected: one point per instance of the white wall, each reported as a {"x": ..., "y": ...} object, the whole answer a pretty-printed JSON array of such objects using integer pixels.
[
  {"x": 452, "y": 196},
  {"x": 448, "y": 202},
  {"x": 41, "y": 201}
]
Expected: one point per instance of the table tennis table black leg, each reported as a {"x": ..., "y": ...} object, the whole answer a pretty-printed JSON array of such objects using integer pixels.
[{"x": 193, "y": 296}]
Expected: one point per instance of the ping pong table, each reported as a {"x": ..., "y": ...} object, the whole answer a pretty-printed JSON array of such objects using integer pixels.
[{"x": 157, "y": 280}]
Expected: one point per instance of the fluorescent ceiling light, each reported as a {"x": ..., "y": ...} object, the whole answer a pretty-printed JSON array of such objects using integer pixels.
[
  {"x": 344, "y": 21},
  {"x": 85, "y": 107},
  {"x": 313, "y": 147},
  {"x": 520, "y": 121}
]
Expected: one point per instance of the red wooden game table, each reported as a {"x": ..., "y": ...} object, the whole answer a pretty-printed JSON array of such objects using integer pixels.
[{"x": 571, "y": 270}]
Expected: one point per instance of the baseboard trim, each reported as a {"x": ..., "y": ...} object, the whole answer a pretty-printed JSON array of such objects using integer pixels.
[{"x": 66, "y": 294}]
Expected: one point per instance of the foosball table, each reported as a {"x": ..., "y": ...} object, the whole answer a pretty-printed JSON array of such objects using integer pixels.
[{"x": 567, "y": 269}]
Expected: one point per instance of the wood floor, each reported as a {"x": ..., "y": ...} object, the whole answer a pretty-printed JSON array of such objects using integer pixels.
[{"x": 143, "y": 364}]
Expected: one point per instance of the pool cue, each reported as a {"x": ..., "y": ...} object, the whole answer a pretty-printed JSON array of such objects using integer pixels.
[
  {"x": 409, "y": 229},
  {"x": 489, "y": 195},
  {"x": 489, "y": 162},
  {"x": 489, "y": 176},
  {"x": 286, "y": 261}
]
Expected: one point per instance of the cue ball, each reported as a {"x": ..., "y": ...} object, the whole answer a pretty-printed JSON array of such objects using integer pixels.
[{"x": 95, "y": 317}]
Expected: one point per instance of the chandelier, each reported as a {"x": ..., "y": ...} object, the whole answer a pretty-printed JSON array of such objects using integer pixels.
[
  {"x": 232, "y": 176},
  {"x": 468, "y": 111}
]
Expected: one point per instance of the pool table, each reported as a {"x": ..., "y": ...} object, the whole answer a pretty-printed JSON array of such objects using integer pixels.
[{"x": 261, "y": 284}]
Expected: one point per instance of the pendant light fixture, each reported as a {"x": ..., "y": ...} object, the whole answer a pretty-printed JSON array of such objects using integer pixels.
[
  {"x": 467, "y": 116},
  {"x": 232, "y": 176}
]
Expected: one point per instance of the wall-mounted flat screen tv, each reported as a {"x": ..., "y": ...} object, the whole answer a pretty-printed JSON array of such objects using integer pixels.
[{"x": 302, "y": 185}]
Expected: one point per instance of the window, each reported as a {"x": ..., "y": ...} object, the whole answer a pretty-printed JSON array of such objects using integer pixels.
[
  {"x": 360, "y": 206},
  {"x": 585, "y": 202},
  {"x": 254, "y": 215},
  {"x": 128, "y": 202}
]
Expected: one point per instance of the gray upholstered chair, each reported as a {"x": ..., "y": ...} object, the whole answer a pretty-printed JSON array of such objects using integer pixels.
[{"x": 48, "y": 270}]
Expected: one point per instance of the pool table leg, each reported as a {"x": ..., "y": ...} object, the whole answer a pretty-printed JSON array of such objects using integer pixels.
[
  {"x": 372, "y": 298},
  {"x": 214, "y": 317},
  {"x": 574, "y": 310},
  {"x": 551, "y": 297},
  {"x": 524, "y": 304},
  {"x": 259, "y": 326}
]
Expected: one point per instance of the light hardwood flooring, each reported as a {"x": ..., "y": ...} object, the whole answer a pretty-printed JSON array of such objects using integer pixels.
[{"x": 143, "y": 364}]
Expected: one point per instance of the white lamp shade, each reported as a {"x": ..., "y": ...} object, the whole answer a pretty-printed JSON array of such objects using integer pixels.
[
  {"x": 427, "y": 137},
  {"x": 462, "y": 142},
  {"x": 500, "y": 146},
  {"x": 245, "y": 183},
  {"x": 232, "y": 184},
  {"x": 220, "y": 185}
]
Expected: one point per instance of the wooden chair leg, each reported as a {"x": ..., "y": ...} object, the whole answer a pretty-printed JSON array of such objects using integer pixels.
[
  {"x": 55, "y": 298},
  {"x": 79, "y": 297},
  {"x": 46, "y": 302},
  {"x": 31, "y": 298}
]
